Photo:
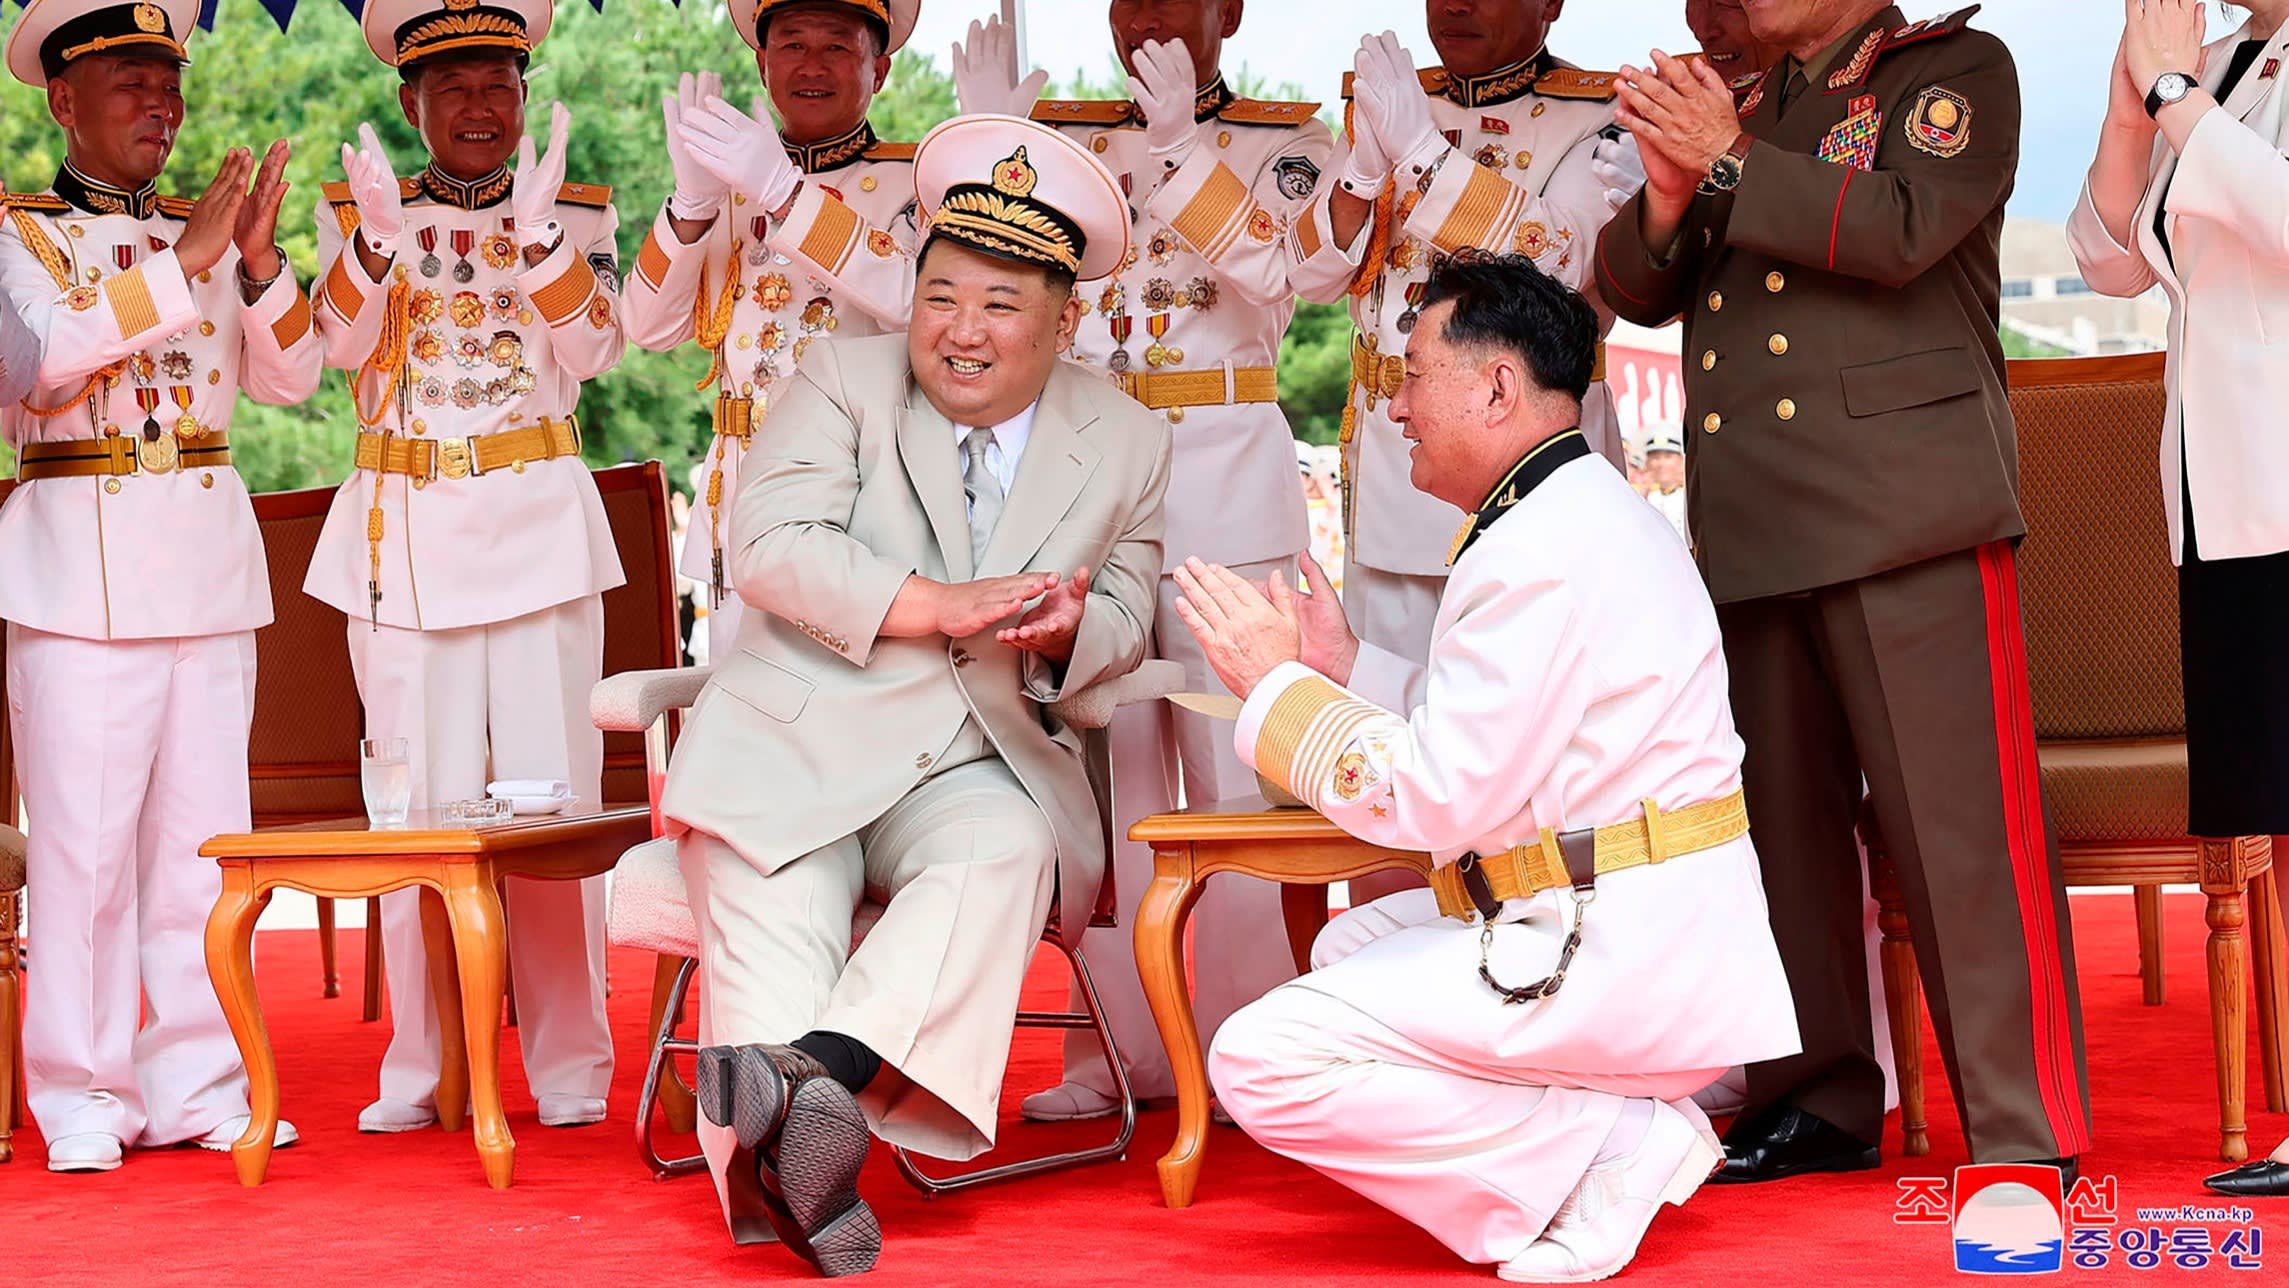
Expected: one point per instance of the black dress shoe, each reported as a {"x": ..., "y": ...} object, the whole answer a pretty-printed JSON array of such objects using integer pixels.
[
  {"x": 1791, "y": 1142},
  {"x": 801, "y": 1143},
  {"x": 2259, "y": 1179}
]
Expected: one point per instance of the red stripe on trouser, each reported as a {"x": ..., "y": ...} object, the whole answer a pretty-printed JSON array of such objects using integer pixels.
[{"x": 2023, "y": 831}]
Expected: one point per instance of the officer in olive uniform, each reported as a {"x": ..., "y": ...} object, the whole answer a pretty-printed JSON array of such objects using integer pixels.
[{"x": 1836, "y": 267}]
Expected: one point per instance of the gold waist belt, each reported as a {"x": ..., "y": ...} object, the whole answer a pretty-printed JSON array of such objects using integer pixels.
[
  {"x": 426, "y": 458},
  {"x": 734, "y": 416},
  {"x": 1523, "y": 871},
  {"x": 121, "y": 454},
  {"x": 1206, "y": 387}
]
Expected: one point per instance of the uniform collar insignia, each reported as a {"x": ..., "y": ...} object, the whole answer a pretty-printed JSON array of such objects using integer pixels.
[
  {"x": 1211, "y": 98},
  {"x": 1498, "y": 86},
  {"x": 842, "y": 149},
  {"x": 465, "y": 194},
  {"x": 1528, "y": 474},
  {"x": 99, "y": 198}
]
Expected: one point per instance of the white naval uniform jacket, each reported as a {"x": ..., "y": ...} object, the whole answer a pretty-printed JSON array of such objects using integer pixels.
[
  {"x": 2226, "y": 273},
  {"x": 841, "y": 263},
  {"x": 1530, "y": 130},
  {"x": 1569, "y": 681},
  {"x": 1210, "y": 262},
  {"x": 147, "y": 555},
  {"x": 506, "y": 349}
]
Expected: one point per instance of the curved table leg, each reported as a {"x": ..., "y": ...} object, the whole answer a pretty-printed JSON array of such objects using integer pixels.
[
  {"x": 1303, "y": 905},
  {"x": 480, "y": 942},
  {"x": 445, "y": 994},
  {"x": 230, "y": 965},
  {"x": 1160, "y": 965}
]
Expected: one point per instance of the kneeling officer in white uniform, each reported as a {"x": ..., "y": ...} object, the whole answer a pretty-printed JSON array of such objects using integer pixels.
[{"x": 1507, "y": 1058}]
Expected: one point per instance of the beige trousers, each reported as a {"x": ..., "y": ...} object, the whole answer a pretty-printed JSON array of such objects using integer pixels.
[{"x": 965, "y": 866}]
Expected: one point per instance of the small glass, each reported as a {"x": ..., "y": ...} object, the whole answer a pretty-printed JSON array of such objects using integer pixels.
[
  {"x": 478, "y": 813},
  {"x": 386, "y": 776}
]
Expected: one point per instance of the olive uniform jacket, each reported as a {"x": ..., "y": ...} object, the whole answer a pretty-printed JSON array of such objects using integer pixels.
[{"x": 1844, "y": 380}]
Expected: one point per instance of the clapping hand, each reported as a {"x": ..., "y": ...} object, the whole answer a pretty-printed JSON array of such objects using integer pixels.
[
  {"x": 1164, "y": 86},
  {"x": 699, "y": 192},
  {"x": 1243, "y": 630},
  {"x": 985, "y": 69},
  {"x": 215, "y": 217},
  {"x": 1049, "y": 627},
  {"x": 1618, "y": 165},
  {"x": 1389, "y": 95},
  {"x": 1683, "y": 118},
  {"x": 533, "y": 190},
  {"x": 373, "y": 189},
  {"x": 743, "y": 150},
  {"x": 2161, "y": 36}
]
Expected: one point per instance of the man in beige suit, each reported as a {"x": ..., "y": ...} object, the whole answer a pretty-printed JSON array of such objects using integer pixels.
[{"x": 879, "y": 727}]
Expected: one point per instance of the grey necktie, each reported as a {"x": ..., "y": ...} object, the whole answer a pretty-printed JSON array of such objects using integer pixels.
[{"x": 982, "y": 488}]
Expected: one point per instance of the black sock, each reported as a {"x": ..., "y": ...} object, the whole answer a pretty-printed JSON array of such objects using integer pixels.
[{"x": 848, "y": 1060}]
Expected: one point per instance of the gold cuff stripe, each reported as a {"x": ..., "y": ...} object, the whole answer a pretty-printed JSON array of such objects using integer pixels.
[
  {"x": 833, "y": 235},
  {"x": 131, "y": 303},
  {"x": 1331, "y": 733},
  {"x": 1477, "y": 213},
  {"x": 568, "y": 294},
  {"x": 652, "y": 260},
  {"x": 1289, "y": 719},
  {"x": 1307, "y": 234},
  {"x": 1214, "y": 216},
  {"x": 293, "y": 324},
  {"x": 342, "y": 293}
]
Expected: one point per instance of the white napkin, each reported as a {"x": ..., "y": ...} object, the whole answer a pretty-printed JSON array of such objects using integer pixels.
[{"x": 532, "y": 795}]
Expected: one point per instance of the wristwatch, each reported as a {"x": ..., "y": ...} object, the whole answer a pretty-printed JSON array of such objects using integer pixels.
[
  {"x": 2169, "y": 87},
  {"x": 1725, "y": 172}
]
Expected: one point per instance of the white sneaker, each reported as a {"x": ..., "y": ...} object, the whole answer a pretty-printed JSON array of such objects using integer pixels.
[
  {"x": 227, "y": 1132},
  {"x": 87, "y": 1151},
  {"x": 387, "y": 1115},
  {"x": 1068, "y": 1102},
  {"x": 558, "y": 1110},
  {"x": 1597, "y": 1229}
]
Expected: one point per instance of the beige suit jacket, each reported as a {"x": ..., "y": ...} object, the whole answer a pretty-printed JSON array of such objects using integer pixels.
[{"x": 814, "y": 726}]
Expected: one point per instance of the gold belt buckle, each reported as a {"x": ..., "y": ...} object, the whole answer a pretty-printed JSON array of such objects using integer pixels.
[
  {"x": 157, "y": 455},
  {"x": 456, "y": 460}
]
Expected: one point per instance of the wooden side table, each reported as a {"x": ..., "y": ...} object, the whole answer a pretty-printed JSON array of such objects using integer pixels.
[
  {"x": 459, "y": 870},
  {"x": 1299, "y": 849}
]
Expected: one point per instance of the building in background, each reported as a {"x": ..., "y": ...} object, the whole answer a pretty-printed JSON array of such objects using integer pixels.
[{"x": 2051, "y": 312}]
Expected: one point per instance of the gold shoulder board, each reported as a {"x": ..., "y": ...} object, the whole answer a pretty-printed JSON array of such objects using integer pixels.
[
  {"x": 1256, "y": 111},
  {"x": 337, "y": 194},
  {"x": 882, "y": 151},
  {"x": 595, "y": 196},
  {"x": 46, "y": 203},
  {"x": 1946, "y": 24},
  {"x": 1434, "y": 81},
  {"x": 177, "y": 207},
  {"x": 1573, "y": 82},
  {"x": 1084, "y": 111}
]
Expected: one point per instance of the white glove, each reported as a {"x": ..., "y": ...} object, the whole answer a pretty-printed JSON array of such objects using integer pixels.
[
  {"x": 1391, "y": 96},
  {"x": 1164, "y": 87},
  {"x": 698, "y": 194},
  {"x": 743, "y": 151},
  {"x": 985, "y": 69},
  {"x": 373, "y": 187},
  {"x": 1617, "y": 165},
  {"x": 1365, "y": 166},
  {"x": 533, "y": 189}
]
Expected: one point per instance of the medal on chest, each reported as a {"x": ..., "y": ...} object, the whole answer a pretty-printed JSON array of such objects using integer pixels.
[{"x": 431, "y": 266}]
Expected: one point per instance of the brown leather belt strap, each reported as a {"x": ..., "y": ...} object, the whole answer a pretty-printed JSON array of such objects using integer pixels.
[
  {"x": 113, "y": 455},
  {"x": 1523, "y": 871},
  {"x": 734, "y": 416},
  {"x": 1205, "y": 387},
  {"x": 425, "y": 459}
]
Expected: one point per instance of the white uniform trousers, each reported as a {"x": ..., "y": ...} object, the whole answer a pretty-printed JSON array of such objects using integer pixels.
[
  {"x": 132, "y": 753},
  {"x": 965, "y": 866},
  {"x": 1477, "y": 1153},
  {"x": 517, "y": 690},
  {"x": 1239, "y": 949}
]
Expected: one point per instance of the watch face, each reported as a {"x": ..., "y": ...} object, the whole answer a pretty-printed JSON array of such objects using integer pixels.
[
  {"x": 1725, "y": 172},
  {"x": 2173, "y": 86}
]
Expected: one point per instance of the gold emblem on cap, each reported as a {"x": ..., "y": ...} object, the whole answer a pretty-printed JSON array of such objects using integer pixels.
[
  {"x": 1013, "y": 175},
  {"x": 460, "y": 6},
  {"x": 150, "y": 17}
]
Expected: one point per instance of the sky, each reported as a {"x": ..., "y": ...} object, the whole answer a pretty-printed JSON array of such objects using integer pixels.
[{"x": 2064, "y": 49}]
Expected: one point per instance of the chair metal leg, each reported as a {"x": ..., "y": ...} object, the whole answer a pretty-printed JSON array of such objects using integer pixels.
[
  {"x": 1094, "y": 1019},
  {"x": 677, "y": 1101},
  {"x": 371, "y": 1011},
  {"x": 665, "y": 1044}
]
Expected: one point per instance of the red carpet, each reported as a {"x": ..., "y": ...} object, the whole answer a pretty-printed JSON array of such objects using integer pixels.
[{"x": 348, "y": 1208}]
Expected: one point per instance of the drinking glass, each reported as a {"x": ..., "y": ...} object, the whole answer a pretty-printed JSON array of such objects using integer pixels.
[{"x": 387, "y": 779}]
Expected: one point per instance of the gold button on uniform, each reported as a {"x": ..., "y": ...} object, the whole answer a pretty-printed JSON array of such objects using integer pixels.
[
  {"x": 1774, "y": 281},
  {"x": 206, "y": 480},
  {"x": 922, "y": 761},
  {"x": 111, "y": 486},
  {"x": 1098, "y": 144},
  {"x": 1778, "y": 344},
  {"x": 1711, "y": 422},
  {"x": 1709, "y": 360},
  {"x": 1176, "y": 415},
  {"x": 867, "y": 184},
  {"x": 1716, "y": 300},
  {"x": 1785, "y": 409}
]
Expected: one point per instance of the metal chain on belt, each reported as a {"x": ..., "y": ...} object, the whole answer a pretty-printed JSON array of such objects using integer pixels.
[{"x": 1548, "y": 985}]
